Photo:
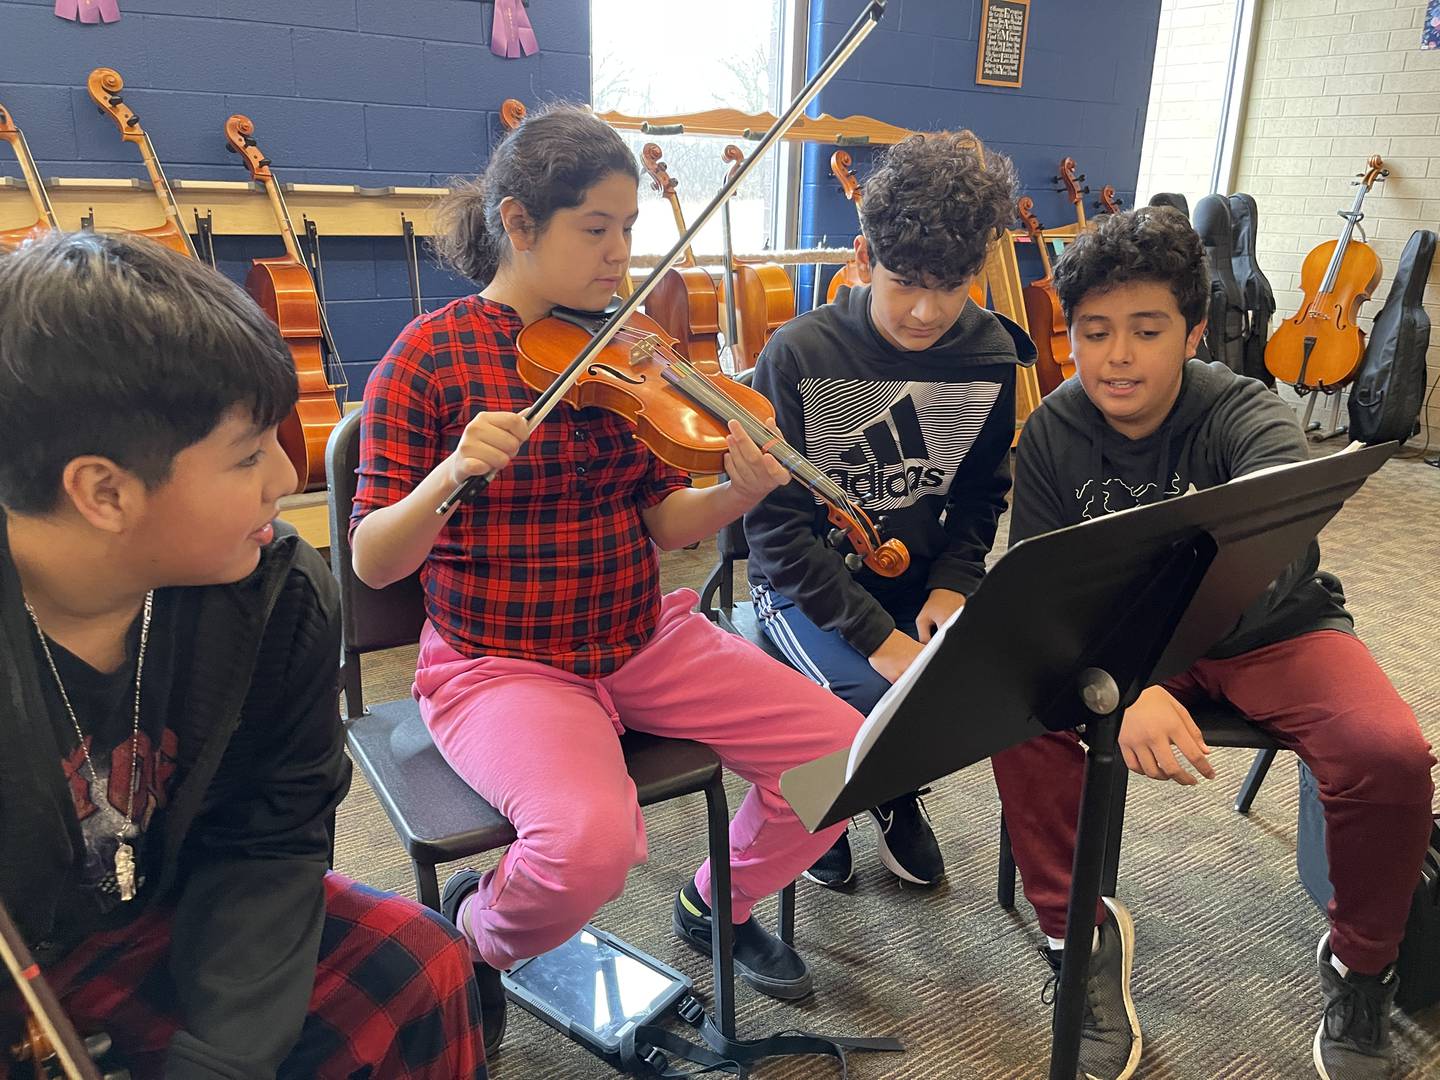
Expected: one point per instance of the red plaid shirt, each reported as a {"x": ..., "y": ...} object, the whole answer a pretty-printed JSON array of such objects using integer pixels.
[{"x": 552, "y": 563}]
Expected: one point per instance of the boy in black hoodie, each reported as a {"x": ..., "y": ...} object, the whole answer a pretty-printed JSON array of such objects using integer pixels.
[
  {"x": 903, "y": 392},
  {"x": 171, "y": 754},
  {"x": 1141, "y": 423}
]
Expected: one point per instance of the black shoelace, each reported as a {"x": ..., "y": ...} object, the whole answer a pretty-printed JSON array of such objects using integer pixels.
[{"x": 1356, "y": 1014}]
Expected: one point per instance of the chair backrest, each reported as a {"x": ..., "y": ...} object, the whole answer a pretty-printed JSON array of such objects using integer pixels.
[{"x": 370, "y": 618}]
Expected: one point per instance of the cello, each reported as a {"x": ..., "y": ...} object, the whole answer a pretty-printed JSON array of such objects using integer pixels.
[
  {"x": 283, "y": 287},
  {"x": 1320, "y": 347},
  {"x": 848, "y": 275},
  {"x": 1048, "y": 330},
  {"x": 46, "y": 222},
  {"x": 1108, "y": 202},
  {"x": 685, "y": 301},
  {"x": 105, "y": 85},
  {"x": 762, "y": 291},
  {"x": 1070, "y": 184}
]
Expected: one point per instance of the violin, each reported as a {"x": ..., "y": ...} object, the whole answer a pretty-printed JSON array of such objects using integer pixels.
[
  {"x": 681, "y": 412},
  {"x": 685, "y": 301},
  {"x": 283, "y": 287},
  {"x": 762, "y": 292},
  {"x": 848, "y": 275},
  {"x": 1320, "y": 347},
  {"x": 105, "y": 85},
  {"x": 1048, "y": 330},
  {"x": 46, "y": 222},
  {"x": 1070, "y": 184}
]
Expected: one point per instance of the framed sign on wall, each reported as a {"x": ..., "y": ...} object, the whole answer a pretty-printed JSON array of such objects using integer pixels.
[{"x": 1001, "y": 57}]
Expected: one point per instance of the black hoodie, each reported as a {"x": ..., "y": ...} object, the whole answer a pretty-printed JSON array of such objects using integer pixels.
[
  {"x": 246, "y": 675},
  {"x": 1071, "y": 466},
  {"x": 919, "y": 438}
]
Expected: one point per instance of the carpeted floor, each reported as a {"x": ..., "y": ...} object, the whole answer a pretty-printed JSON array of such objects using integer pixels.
[{"x": 1225, "y": 980}]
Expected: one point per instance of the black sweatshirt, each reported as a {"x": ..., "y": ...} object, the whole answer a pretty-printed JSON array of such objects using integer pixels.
[
  {"x": 919, "y": 438},
  {"x": 1071, "y": 466},
  {"x": 247, "y": 676}
]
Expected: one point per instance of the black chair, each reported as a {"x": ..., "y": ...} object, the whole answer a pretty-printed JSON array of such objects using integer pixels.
[
  {"x": 1222, "y": 725},
  {"x": 440, "y": 818}
]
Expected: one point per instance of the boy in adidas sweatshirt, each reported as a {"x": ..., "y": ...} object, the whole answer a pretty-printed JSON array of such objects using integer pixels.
[
  {"x": 1141, "y": 423},
  {"x": 903, "y": 392}
]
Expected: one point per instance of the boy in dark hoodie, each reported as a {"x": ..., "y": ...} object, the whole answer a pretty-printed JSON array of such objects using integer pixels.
[
  {"x": 903, "y": 392},
  {"x": 1140, "y": 423},
  {"x": 171, "y": 754}
]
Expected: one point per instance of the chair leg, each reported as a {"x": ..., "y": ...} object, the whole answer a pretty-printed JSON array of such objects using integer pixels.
[
  {"x": 717, "y": 814},
  {"x": 1248, "y": 790},
  {"x": 1005, "y": 878},
  {"x": 1110, "y": 871},
  {"x": 786, "y": 921},
  {"x": 427, "y": 885}
]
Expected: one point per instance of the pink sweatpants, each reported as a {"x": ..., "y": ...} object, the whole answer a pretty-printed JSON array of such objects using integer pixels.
[{"x": 542, "y": 746}]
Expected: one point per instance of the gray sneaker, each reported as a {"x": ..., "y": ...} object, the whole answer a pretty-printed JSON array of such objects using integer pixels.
[
  {"x": 1353, "y": 1040},
  {"x": 1110, "y": 1039}
]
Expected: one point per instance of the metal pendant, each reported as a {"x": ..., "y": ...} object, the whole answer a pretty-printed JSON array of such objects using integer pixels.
[{"x": 125, "y": 871}]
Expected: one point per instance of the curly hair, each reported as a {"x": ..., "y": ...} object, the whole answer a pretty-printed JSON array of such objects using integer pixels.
[
  {"x": 933, "y": 206},
  {"x": 1153, "y": 243},
  {"x": 546, "y": 164}
]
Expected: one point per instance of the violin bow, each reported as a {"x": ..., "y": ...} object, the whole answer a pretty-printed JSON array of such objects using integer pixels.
[
  {"x": 547, "y": 401},
  {"x": 41, "y": 1001}
]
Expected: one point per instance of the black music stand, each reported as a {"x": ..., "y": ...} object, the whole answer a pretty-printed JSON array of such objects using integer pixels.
[{"x": 1064, "y": 633}]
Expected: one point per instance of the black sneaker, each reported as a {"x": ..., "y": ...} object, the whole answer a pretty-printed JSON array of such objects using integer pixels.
[
  {"x": 492, "y": 995},
  {"x": 1353, "y": 1040},
  {"x": 836, "y": 868},
  {"x": 761, "y": 958},
  {"x": 907, "y": 844},
  {"x": 1110, "y": 1037}
]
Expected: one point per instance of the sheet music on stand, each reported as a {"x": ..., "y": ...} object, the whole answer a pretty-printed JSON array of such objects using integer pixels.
[{"x": 889, "y": 703}]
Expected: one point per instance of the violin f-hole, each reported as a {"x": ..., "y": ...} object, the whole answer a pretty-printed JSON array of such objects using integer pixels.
[{"x": 625, "y": 377}]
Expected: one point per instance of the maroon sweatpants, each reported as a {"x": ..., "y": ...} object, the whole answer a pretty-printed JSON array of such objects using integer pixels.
[{"x": 1321, "y": 695}]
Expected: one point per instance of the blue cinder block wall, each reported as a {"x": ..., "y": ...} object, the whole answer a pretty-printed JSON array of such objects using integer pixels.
[
  {"x": 1085, "y": 88},
  {"x": 368, "y": 92},
  {"x": 382, "y": 92}
]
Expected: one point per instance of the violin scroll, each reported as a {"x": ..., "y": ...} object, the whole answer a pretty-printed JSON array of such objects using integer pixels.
[
  {"x": 888, "y": 558},
  {"x": 240, "y": 139},
  {"x": 105, "y": 85},
  {"x": 840, "y": 163},
  {"x": 650, "y": 155},
  {"x": 512, "y": 113}
]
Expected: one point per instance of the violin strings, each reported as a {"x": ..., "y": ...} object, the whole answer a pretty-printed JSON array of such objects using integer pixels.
[{"x": 688, "y": 379}]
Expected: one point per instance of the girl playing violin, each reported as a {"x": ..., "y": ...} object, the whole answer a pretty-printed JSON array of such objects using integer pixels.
[{"x": 548, "y": 634}]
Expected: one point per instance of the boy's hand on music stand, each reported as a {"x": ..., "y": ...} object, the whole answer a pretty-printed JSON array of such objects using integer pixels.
[{"x": 1153, "y": 729}]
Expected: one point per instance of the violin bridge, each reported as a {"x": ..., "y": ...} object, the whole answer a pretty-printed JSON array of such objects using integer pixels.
[{"x": 643, "y": 349}]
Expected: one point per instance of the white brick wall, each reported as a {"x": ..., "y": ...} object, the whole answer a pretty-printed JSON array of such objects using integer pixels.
[
  {"x": 1333, "y": 82},
  {"x": 1192, "y": 53}
]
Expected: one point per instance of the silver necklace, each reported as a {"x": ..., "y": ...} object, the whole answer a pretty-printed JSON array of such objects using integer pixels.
[{"x": 124, "y": 853}]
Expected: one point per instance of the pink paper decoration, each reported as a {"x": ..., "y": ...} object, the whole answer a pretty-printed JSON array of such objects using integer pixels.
[
  {"x": 88, "y": 11},
  {"x": 511, "y": 34}
]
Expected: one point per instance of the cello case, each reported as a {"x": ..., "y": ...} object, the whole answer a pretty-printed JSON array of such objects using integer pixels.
[
  {"x": 1389, "y": 389},
  {"x": 1172, "y": 199},
  {"x": 1255, "y": 291},
  {"x": 1225, "y": 333}
]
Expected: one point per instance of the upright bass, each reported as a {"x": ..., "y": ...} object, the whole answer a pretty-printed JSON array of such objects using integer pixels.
[
  {"x": 46, "y": 221},
  {"x": 282, "y": 285},
  {"x": 1320, "y": 347},
  {"x": 105, "y": 85}
]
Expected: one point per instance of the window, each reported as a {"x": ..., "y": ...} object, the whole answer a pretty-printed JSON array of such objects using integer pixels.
[
  {"x": 682, "y": 57},
  {"x": 1201, "y": 61}
]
